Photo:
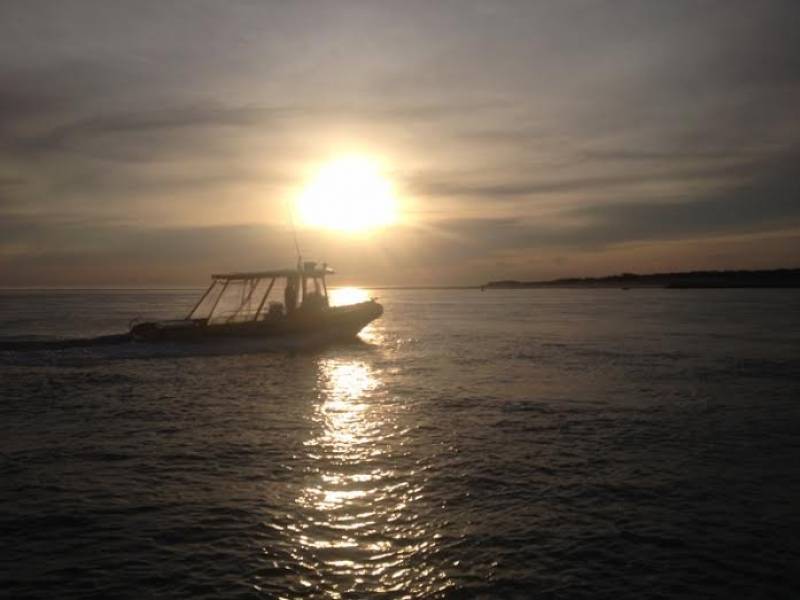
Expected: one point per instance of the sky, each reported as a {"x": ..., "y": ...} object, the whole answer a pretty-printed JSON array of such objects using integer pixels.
[{"x": 153, "y": 143}]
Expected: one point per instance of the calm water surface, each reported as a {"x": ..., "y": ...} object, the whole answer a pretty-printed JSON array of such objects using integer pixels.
[{"x": 506, "y": 444}]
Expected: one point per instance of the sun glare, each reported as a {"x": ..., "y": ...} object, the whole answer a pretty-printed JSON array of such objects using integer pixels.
[
  {"x": 347, "y": 295},
  {"x": 348, "y": 194}
]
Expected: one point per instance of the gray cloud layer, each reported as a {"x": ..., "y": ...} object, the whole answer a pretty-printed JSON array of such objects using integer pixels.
[{"x": 515, "y": 129}]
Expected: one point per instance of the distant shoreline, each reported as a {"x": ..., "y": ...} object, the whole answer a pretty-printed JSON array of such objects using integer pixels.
[{"x": 773, "y": 278}]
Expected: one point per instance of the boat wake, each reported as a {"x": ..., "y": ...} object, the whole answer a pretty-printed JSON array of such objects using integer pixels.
[
  {"x": 124, "y": 346},
  {"x": 21, "y": 344}
]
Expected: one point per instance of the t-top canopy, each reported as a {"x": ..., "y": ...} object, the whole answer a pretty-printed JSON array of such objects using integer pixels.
[{"x": 309, "y": 270}]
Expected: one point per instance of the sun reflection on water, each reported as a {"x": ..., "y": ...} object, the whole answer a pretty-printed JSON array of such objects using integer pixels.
[{"x": 361, "y": 529}]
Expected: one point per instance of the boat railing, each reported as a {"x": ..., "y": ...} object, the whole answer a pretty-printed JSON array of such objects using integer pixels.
[
  {"x": 240, "y": 316},
  {"x": 232, "y": 316}
]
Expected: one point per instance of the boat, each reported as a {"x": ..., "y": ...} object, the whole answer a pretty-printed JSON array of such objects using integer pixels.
[{"x": 248, "y": 305}]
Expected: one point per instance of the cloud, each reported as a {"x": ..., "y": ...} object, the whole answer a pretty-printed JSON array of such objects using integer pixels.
[
  {"x": 768, "y": 199},
  {"x": 601, "y": 184},
  {"x": 515, "y": 128},
  {"x": 771, "y": 201}
]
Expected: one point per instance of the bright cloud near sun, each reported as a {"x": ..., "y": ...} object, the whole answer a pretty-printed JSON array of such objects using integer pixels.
[{"x": 348, "y": 194}]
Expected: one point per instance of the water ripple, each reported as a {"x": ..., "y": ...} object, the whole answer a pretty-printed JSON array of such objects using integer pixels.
[{"x": 560, "y": 444}]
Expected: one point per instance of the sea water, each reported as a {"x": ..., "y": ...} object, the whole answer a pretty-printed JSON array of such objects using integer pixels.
[{"x": 499, "y": 444}]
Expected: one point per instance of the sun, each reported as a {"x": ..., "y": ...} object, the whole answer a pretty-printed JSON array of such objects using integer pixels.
[{"x": 348, "y": 194}]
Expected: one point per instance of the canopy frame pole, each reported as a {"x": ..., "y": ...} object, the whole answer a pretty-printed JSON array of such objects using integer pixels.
[
  {"x": 203, "y": 297},
  {"x": 253, "y": 283},
  {"x": 264, "y": 299},
  {"x": 221, "y": 294}
]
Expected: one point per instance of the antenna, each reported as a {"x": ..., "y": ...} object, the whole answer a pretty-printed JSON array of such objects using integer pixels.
[{"x": 294, "y": 233}]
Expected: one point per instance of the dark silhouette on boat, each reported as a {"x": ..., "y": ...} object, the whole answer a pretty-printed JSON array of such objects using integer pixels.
[{"x": 240, "y": 305}]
